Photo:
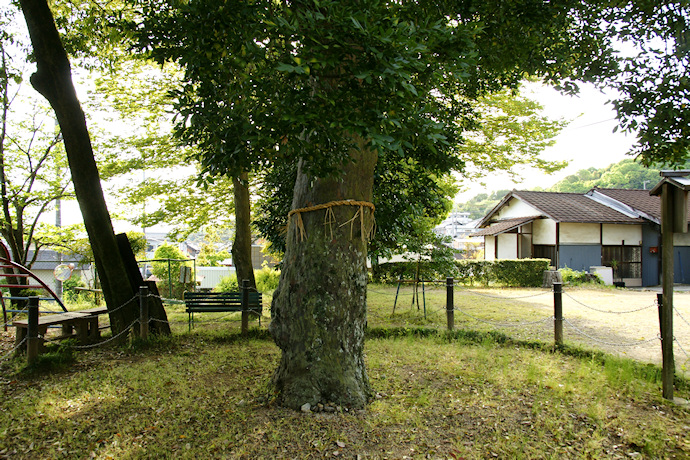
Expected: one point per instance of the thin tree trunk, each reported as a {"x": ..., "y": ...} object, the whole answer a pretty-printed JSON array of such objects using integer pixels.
[
  {"x": 319, "y": 308},
  {"x": 242, "y": 244},
  {"x": 53, "y": 80}
]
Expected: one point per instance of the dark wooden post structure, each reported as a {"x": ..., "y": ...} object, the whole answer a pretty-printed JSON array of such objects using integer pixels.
[
  {"x": 144, "y": 312},
  {"x": 673, "y": 188},
  {"x": 558, "y": 313},
  {"x": 33, "y": 342},
  {"x": 450, "y": 304},
  {"x": 666, "y": 317},
  {"x": 245, "y": 307}
]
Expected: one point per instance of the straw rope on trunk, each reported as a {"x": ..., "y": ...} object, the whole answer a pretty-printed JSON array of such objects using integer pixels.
[{"x": 329, "y": 220}]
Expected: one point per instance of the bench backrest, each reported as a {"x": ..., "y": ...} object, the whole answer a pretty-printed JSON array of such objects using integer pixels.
[{"x": 220, "y": 301}]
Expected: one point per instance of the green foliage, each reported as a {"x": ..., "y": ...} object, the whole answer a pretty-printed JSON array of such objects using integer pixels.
[
  {"x": 480, "y": 205},
  {"x": 209, "y": 257},
  {"x": 411, "y": 270},
  {"x": 510, "y": 131},
  {"x": 168, "y": 271},
  {"x": 626, "y": 174},
  {"x": 525, "y": 273},
  {"x": 228, "y": 284},
  {"x": 521, "y": 272},
  {"x": 69, "y": 292},
  {"x": 266, "y": 279},
  {"x": 576, "y": 278}
]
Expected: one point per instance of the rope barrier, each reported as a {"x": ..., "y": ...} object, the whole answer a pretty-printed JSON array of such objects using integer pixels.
[
  {"x": 609, "y": 311},
  {"x": 11, "y": 352},
  {"x": 631, "y": 344},
  {"x": 105, "y": 342},
  {"x": 480, "y": 294},
  {"x": 681, "y": 348},
  {"x": 681, "y": 316},
  {"x": 493, "y": 323}
]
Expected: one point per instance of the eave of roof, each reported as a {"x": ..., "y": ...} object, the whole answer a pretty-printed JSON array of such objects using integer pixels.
[{"x": 504, "y": 226}]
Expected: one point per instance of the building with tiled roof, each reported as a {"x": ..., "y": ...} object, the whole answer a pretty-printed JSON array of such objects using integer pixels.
[{"x": 604, "y": 227}]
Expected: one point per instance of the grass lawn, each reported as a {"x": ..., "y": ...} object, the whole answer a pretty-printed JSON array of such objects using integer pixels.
[{"x": 206, "y": 394}]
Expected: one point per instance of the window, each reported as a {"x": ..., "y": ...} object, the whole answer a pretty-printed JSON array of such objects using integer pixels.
[
  {"x": 625, "y": 260},
  {"x": 545, "y": 251}
]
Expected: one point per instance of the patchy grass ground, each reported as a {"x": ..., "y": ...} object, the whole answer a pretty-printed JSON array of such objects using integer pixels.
[{"x": 206, "y": 394}]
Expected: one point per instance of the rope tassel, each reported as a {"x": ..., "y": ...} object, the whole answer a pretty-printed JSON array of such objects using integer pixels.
[{"x": 329, "y": 218}]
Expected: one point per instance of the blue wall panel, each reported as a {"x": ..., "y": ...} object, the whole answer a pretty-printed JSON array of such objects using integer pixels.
[
  {"x": 580, "y": 257},
  {"x": 681, "y": 264},
  {"x": 651, "y": 261}
]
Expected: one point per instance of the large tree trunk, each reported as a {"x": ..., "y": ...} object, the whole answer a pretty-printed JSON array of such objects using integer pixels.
[
  {"x": 319, "y": 309},
  {"x": 53, "y": 80},
  {"x": 242, "y": 244}
]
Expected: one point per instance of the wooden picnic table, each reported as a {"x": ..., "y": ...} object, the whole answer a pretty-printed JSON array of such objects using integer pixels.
[{"x": 82, "y": 324}]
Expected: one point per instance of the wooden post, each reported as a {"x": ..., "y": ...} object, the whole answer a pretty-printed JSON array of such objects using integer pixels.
[
  {"x": 666, "y": 324},
  {"x": 144, "y": 312},
  {"x": 558, "y": 313},
  {"x": 33, "y": 342},
  {"x": 245, "y": 307},
  {"x": 450, "y": 304}
]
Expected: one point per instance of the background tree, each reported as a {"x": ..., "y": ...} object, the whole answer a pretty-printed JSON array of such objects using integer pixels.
[
  {"x": 626, "y": 174},
  {"x": 170, "y": 260},
  {"x": 509, "y": 131},
  {"x": 53, "y": 80},
  {"x": 652, "y": 84},
  {"x": 32, "y": 164},
  {"x": 479, "y": 205}
]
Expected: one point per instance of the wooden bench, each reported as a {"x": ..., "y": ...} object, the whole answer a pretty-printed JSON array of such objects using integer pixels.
[
  {"x": 83, "y": 325},
  {"x": 218, "y": 302}
]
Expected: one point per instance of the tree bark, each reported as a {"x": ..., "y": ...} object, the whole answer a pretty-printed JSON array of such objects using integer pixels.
[
  {"x": 53, "y": 80},
  {"x": 319, "y": 309},
  {"x": 242, "y": 244}
]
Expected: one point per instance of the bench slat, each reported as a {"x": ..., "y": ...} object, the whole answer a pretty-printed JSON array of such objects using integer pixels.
[{"x": 218, "y": 302}]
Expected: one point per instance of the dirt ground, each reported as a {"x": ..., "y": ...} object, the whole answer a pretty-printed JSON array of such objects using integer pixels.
[{"x": 622, "y": 322}]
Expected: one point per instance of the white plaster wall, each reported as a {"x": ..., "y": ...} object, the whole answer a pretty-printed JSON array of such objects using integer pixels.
[
  {"x": 489, "y": 247},
  {"x": 579, "y": 233},
  {"x": 615, "y": 234},
  {"x": 517, "y": 208},
  {"x": 543, "y": 231},
  {"x": 681, "y": 239},
  {"x": 507, "y": 246}
]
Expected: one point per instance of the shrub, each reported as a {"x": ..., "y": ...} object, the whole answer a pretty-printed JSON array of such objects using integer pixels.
[
  {"x": 408, "y": 270},
  {"x": 507, "y": 272},
  {"x": 266, "y": 279},
  {"x": 575, "y": 278},
  {"x": 160, "y": 270},
  {"x": 522, "y": 272},
  {"x": 228, "y": 284},
  {"x": 69, "y": 291}
]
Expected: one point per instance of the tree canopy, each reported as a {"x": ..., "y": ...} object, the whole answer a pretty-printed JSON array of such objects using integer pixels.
[{"x": 409, "y": 69}]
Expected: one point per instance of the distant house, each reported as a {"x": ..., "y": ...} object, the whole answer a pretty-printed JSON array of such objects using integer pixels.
[
  {"x": 459, "y": 227},
  {"x": 156, "y": 239},
  {"x": 47, "y": 260},
  {"x": 604, "y": 227}
]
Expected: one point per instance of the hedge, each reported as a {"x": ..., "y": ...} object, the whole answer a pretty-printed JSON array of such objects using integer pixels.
[{"x": 505, "y": 272}]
